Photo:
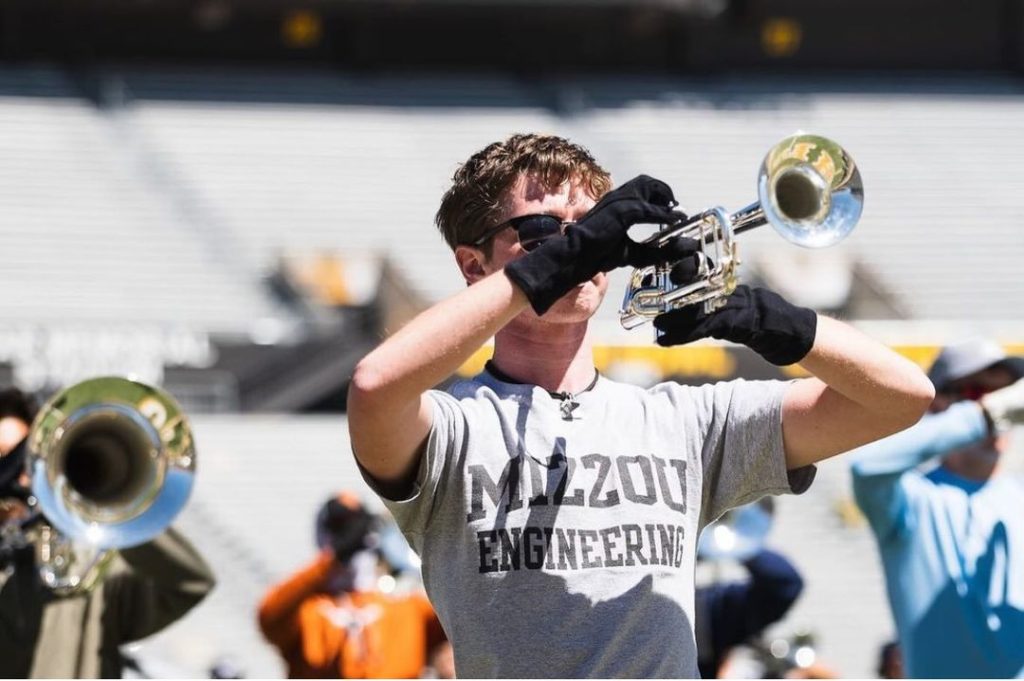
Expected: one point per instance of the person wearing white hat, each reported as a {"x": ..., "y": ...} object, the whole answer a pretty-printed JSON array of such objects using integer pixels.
[{"x": 951, "y": 538}]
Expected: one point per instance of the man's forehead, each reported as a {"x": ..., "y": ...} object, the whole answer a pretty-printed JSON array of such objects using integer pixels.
[{"x": 531, "y": 187}]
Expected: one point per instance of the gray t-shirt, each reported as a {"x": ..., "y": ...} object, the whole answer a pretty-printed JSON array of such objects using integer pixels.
[{"x": 557, "y": 547}]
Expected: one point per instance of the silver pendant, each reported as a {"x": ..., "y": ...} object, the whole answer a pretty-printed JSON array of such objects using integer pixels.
[{"x": 568, "y": 406}]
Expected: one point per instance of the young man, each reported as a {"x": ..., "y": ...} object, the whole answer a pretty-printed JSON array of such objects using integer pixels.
[
  {"x": 556, "y": 511},
  {"x": 45, "y": 634},
  {"x": 952, "y": 539}
]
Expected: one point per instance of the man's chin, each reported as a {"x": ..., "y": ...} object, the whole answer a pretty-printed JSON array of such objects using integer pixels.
[{"x": 578, "y": 305}]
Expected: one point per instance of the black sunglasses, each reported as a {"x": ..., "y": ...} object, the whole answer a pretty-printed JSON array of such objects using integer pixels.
[{"x": 532, "y": 230}]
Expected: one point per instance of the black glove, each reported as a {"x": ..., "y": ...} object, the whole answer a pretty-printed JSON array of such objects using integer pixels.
[
  {"x": 599, "y": 242},
  {"x": 758, "y": 318}
]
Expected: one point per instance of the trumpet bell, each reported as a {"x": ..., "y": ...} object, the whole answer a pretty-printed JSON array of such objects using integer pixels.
[
  {"x": 112, "y": 461},
  {"x": 810, "y": 191}
]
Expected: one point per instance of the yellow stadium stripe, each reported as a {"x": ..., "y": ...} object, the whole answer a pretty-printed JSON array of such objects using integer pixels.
[{"x": 710, "y": 361}]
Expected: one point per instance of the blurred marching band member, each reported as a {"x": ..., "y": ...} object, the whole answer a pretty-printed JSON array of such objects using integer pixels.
[
  {"x": 952, "y": 539},
  {"x": 45, "y": 634},
  {"x": 556, "y": 511},
  {"x": 730, "y": 613},
  {"x": 330, "y": 620}
]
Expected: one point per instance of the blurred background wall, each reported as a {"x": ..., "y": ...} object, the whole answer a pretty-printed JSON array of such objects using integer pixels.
[{"x": 234, "y": 199}]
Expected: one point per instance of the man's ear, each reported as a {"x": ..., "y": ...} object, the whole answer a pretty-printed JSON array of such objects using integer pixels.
[{"x": 471, "y": 263}]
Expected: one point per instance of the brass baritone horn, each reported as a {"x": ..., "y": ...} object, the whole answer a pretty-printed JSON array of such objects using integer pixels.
[
  {"x": 112, "y": 463},
  {"x": 809, "y": 190}
]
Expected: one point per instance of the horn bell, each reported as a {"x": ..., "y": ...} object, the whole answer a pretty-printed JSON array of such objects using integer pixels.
[
  {"x": 810, "y": 190},
  {"x": 112, "y": 461}
]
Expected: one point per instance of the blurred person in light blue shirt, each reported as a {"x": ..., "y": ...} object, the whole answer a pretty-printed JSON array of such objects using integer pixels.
[{"x": 951, "y": 537}]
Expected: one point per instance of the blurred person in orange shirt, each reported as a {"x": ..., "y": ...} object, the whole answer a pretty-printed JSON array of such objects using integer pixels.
[{"x": 332, "y": 620}]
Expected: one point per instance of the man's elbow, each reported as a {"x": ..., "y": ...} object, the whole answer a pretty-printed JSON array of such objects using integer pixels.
[
  {"x": 367, "y": 388},
  {"x": 924, "y": 395},
  {"x": 379, "y": 397},
  {"x": 915, "y": 399}
]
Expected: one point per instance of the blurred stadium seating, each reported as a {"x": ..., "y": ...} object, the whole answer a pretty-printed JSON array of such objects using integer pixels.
[{"x": 229, "y": 213}]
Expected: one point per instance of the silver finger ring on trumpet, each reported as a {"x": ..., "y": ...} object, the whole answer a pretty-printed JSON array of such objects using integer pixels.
[{"x": 809, "y": 190}]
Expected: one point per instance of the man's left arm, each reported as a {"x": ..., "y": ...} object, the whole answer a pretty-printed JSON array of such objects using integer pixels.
[
  {"x": 167, "y": 577},
  {"x": 861, "y": 390}
]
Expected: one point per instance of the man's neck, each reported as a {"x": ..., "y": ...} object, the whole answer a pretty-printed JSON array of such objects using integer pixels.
[{"x": 556, "y": 357}]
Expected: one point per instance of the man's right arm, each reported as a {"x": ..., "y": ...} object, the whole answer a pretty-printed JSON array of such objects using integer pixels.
[{"x": 389, "y": 413}]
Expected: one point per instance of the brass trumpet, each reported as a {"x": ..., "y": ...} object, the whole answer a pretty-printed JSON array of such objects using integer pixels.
[{"x": 809, "y": 190}]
